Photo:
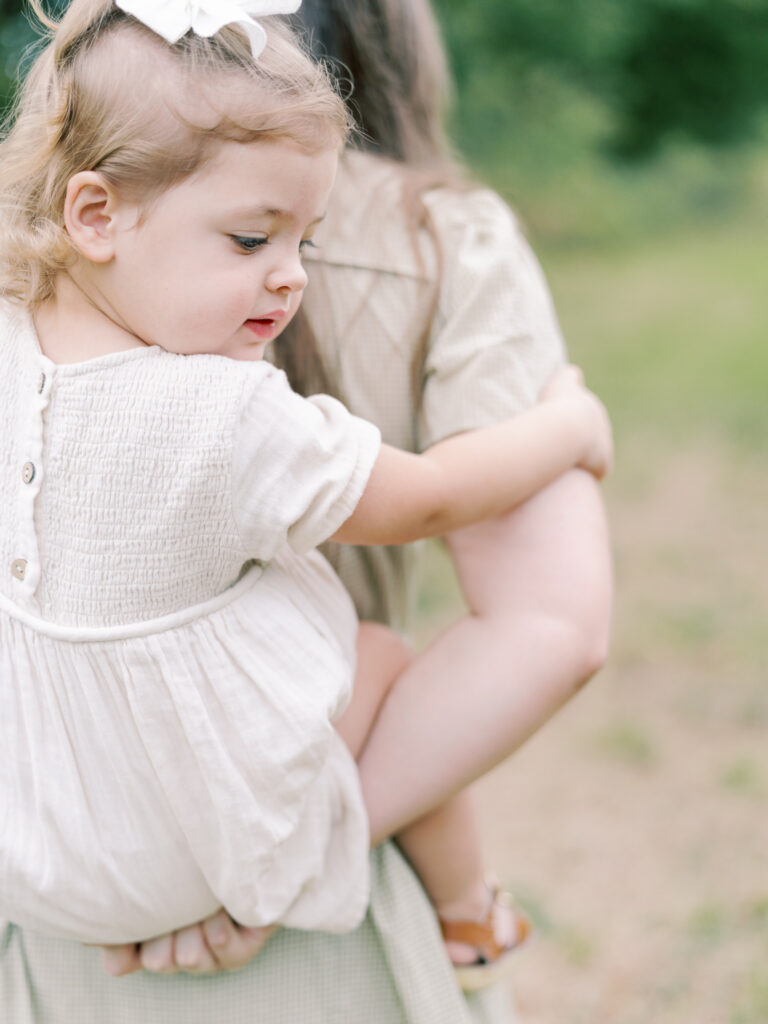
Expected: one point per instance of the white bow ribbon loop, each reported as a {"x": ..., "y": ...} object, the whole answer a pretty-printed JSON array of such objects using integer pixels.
[{"x": 172, "y": 19}]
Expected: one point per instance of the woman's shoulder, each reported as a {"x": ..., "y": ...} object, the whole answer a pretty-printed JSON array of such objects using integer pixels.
[
  {"x": 373, "y": 219},
  {"x": 367, "y": 225},
  {"x": 471, "y": 212},
  {"x": 362, "y": 175}
]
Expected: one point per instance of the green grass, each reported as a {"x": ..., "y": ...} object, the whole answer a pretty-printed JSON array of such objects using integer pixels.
[
  {"x": 627, "y": 742},
  {"x": 658, "y": 269},
  {"x": 752, "y": 1003},
  {"x": 707, "y": 924},
  {"x": 672, "y": 333},
  {"x": 744, "y": 777},
  {"x": 576, "y": 947}
]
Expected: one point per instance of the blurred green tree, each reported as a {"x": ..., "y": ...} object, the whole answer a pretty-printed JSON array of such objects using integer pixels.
[
  {"x": 700, "y": 70},
  {"x": 663, "y": 68}
]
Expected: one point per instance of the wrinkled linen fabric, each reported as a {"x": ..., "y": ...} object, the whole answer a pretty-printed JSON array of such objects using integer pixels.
[
  {"x": 174, "y": 653},
  {"x": 390, "y": 970}
]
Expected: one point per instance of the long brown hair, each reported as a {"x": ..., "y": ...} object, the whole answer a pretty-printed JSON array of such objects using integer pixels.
[
  {"x": 389, "y": 61},
  {"x": 391, "y": 54}
]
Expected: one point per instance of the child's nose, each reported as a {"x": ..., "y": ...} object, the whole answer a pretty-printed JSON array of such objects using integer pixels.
[{"x": 289, "y": 273}]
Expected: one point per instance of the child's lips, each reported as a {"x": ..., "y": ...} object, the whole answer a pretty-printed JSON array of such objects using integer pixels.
[{"x": 265, "y": 326}]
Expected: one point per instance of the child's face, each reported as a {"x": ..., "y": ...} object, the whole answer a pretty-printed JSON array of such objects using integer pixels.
[{"x": 215, "y": 264}]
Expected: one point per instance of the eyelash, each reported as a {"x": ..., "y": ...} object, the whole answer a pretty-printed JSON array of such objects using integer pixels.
[{"x": 248, "y": 244}]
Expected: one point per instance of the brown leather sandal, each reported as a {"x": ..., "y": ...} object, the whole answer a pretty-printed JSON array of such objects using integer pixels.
[{"x": 493, "y": 960}]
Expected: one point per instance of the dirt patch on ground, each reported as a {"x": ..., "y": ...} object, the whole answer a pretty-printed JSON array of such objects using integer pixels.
[{"x": 634, "y": 826}]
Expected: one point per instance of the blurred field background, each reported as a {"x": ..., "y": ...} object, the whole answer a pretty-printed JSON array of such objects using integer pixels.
[{"x": 632, "y": 138}]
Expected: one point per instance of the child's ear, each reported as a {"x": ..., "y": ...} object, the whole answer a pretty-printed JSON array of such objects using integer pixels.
[{"x": 90, "y": 215}]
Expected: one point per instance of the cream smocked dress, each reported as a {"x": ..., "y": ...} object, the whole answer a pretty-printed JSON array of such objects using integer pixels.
[{"x": 172, "y": 651}]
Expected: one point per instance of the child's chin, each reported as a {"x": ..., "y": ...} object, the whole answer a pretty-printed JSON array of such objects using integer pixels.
[{"x": 252, "y": 354}]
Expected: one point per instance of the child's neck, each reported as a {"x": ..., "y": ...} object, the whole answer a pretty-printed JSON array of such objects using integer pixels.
[{"x": 71, "y": 328}]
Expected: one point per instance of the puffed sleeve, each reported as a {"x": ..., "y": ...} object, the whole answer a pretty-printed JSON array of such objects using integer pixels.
[
  {"x": 300, "y": 465},
  {"x": 495, "y": 339}
]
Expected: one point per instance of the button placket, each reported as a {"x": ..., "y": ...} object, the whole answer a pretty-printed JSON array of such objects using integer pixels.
[{"x": 35, "y": 397}]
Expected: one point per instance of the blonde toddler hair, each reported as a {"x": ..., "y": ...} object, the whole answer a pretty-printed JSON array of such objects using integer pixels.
[{"x": 109, "y": 95}]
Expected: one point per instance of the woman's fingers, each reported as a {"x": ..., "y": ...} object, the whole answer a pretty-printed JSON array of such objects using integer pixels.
[
  {"x": 231, "y": 944},
  {"x": 191, "y": 953},
  {"x": 157, "y": 955},
  {"x": 216, "y": 944},
  {"x": 120, "y": 960}
]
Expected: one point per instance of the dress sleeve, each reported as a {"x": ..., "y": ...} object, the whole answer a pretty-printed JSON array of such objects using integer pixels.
[
  {"x": 495, "y": 339},
  {"x": 300, "y": 466}
]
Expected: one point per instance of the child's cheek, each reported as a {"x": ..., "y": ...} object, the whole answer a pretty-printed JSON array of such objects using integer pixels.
[{"x": 236, "y": 301}]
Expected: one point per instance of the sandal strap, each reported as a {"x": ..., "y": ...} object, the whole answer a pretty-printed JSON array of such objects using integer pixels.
[
  {"x": 480, "y": 934},
  {"x": 471, "y": 933}
]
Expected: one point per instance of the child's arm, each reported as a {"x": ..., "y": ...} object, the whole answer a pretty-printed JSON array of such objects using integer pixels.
[{"x": 482, "y": 473}]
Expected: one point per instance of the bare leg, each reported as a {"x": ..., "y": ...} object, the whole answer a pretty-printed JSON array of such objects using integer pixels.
[
  {"x": 445, "y": 849},
  {"x": 443, "y": 846},
  {"x": 381, "y": 658},
  {"x": 538, "y": 585}
]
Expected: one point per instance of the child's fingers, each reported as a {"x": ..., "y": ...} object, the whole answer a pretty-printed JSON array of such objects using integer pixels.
[
  {"x": 574, "y": 374},
  {"x": 563, "y": 381}
]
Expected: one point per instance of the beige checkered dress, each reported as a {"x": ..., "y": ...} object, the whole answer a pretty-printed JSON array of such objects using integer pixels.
[{"x": 493, "y": 342}]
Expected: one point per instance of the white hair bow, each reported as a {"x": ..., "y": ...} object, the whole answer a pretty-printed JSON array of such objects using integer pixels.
[{"x": 172, "y": 19}]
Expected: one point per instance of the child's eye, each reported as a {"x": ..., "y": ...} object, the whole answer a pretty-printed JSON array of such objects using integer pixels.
[
  {"x": 249, "y": 243},
  {"x": 307, "y": 243}
]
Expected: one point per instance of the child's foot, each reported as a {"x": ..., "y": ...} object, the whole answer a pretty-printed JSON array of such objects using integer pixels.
[{"x": 480, "y": 949}]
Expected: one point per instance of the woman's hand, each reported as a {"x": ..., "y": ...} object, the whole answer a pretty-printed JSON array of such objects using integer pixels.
[
  {"x": 216, "y": 944},
  {"x": 567, "y": 385}
]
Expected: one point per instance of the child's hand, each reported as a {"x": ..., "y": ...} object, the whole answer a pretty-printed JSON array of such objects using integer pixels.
[
  {"x": 567, "y": 385},
  {"x": 565, "y": 382}
]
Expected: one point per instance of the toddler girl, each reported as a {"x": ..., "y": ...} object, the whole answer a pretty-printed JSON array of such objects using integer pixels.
[{"x": 172, "y": 651}]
